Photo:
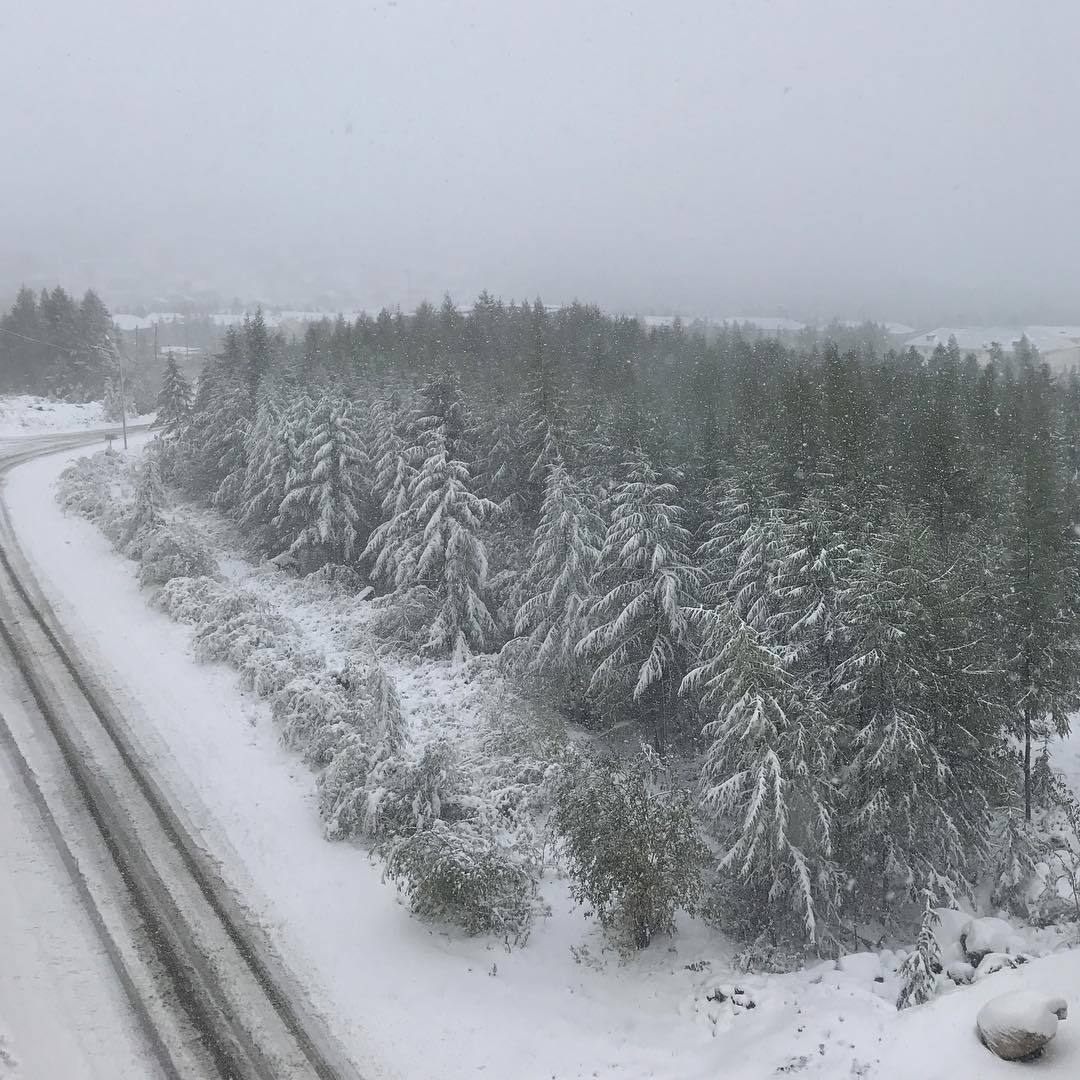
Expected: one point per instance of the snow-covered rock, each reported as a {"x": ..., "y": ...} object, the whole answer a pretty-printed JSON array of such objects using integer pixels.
[
  {"x": 961, "y": 972},
  {"x": 1019, "y": 1024},
  {"x": 988, "y": 935},
  {"x": 992, "y": 962},
  {"x": 863, "y": 966}
]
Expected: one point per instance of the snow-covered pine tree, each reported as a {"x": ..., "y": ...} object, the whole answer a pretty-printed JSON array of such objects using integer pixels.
[
  {"x": 149, "y": 499},
  {"x": 441, "y": 412},
  {"x": 272, "y": 460},
  {"x": 919, "y": 971},
  {"x": 637, "y": 645},
  {"x": 544, "y": 422},
  {"x": 433, "y": 543},
  {"x": 557, "y": 583},
  {"x": 112, "y": 405},
  {"x": 743, "y": 537},
  {"x": 812, "y": 562},
  {"x": 173, "y": 401},
  {"x": 388, "y": 722},
  {"x": 392, "y": 452},
  {"x": 767, "y": 777},
  {"x": 911, "y": 820},
  {"x": 325, "y": 492},
  {"x": 1042, "y": 571},
  {"x": 499, "y": 469},
  {"x": 215, "y": 439}
]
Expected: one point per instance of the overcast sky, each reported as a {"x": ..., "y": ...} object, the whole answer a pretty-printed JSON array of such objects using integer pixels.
[{"x": 915, "y": 160}]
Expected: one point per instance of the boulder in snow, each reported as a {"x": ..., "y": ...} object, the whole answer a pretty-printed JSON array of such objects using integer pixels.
[
  {"x": 982, "y": 936},
  {"x": 993, "y": 961},
  {"x": 1019, "y": 1024},
  {"x": 961, "y": 972},
  {"x": 948, "y": 930}
]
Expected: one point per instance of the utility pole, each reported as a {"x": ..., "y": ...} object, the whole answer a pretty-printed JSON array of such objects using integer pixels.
[{"x": 123, "y": 396}]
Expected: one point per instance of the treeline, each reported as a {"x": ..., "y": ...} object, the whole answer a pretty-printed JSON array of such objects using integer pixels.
[
  {"x": 843, "y": 587},
  {"x": 54, "y": 345}
]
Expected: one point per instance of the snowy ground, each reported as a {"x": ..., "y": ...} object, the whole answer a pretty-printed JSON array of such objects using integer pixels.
[
  {"x": 413, "y": 1000},
  {"x": 25, "y": 414}
]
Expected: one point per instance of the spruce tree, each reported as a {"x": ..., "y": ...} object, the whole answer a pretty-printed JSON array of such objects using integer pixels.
[
  {"x": 325, "y": 491},
  {"x": 767, "y": 781},
  {"x": 173, "y": 400},
  {"x": 1043, "y": 574},
  {"x": 433, "y": 543},
  {"x": 557, "y": 584},
  {"x": 638, "y": 641}
]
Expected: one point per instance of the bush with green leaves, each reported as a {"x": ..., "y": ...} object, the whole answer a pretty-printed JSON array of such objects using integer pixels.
[
  {"x": 631, "y": 842},
  {"x": 457, "y": 872}
]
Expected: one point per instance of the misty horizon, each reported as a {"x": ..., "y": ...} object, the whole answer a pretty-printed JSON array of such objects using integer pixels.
[{"x": 907, "y": 163}]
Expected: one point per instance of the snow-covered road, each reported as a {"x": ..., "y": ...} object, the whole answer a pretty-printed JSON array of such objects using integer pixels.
[
  {"x": 62, "y": 1011},
  {"x": 197, "y": 974}
]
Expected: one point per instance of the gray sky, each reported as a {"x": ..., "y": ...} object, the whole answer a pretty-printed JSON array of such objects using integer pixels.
[{"x": 914, "y": 160}]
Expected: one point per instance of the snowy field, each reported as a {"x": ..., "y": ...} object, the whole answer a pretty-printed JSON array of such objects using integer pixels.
[
  {"x": 25, "y": 414},
  {"x": 414, "y": 1000}
]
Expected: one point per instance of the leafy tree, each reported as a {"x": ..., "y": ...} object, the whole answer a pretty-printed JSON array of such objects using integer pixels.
[{"x": 631, "y": 842}]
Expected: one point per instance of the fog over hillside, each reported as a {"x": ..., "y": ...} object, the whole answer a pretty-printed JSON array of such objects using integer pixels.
[{"x": 911, "y": 161}]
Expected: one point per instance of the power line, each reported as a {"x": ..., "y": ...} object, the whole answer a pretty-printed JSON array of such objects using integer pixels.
[{"x": 50, "y": 344}]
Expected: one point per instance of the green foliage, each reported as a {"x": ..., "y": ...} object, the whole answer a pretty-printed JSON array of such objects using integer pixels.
[
  {"x": 631, "y": 843},
  {"x": 454, "y": 871}
]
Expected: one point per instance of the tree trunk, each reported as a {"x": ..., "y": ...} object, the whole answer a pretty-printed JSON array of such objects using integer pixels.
[{"x": 1027, "y": 763}]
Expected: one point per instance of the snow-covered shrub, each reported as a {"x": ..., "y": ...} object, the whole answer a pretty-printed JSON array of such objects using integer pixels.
[
  {"x": 1061, "y": 891},
  {"x": 268, "y": 671},
  {"x": 243, "y": 625},
  {"x": 115, "y": 523},
  {"x": 316, "y": 712},
  {"x": 919, "y": 972},
  {"x": 403, "y": 617},
  {"x": 631, "y": 843},
  {"x": 458, "y": 873},
  {"x": 343, "y": 791},
  {"x": 147, "y": 506},
  {"x": 172, "y": 551},
  {"x": 410, "y": 794},
  {"x": 86, "y": 486},
  {"x": 191, "y": 599}
]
